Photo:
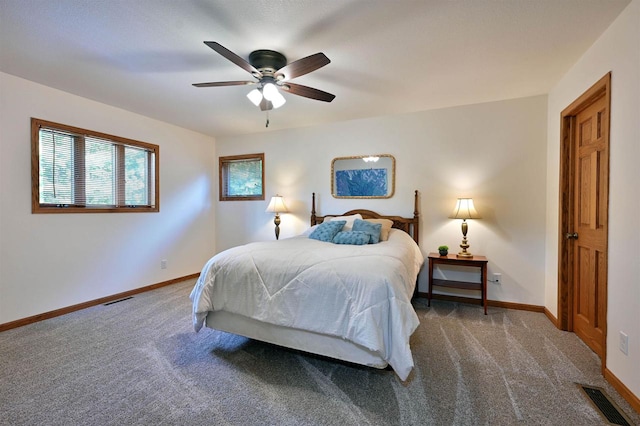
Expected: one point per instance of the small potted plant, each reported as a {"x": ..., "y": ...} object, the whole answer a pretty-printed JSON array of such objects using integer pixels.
[{"x": 443, "y": 250}]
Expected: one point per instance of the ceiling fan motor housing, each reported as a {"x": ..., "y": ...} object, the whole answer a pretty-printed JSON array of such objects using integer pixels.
[{"x": 267, "y": 61}]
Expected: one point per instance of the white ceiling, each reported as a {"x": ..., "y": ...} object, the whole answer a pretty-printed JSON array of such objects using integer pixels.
[{"x": 387, "y": 57}]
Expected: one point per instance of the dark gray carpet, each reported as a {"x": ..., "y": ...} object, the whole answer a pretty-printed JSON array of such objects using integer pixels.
[{"x": 138, "y": 362}]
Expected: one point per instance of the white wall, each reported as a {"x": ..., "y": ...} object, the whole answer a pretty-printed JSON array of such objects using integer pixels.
[
  {"x": 493, "y": 152},
  {"x": 45, "y": 262},
  {"x": 618, "y": 51}
]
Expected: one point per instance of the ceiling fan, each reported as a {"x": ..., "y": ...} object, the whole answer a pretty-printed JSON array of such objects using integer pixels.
[{"x": 271, "y": 71}]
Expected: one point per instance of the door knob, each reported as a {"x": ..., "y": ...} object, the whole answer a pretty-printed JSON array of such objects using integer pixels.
[{"x": 572, "y": 236}]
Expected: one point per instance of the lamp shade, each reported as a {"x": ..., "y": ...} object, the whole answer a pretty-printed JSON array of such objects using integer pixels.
[
  {"x": 255, "y": 97},
  {"x": 276, "y": 205},
  {"x": 269, "y": 91},
  {"x": 465, "y": 210},
  {"x": 277, "y": 100}
]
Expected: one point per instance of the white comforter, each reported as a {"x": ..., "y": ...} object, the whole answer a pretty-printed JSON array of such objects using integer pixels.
[{"x": 359, "y": 293}]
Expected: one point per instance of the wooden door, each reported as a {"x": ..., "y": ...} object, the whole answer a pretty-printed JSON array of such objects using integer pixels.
[
  {"x": 584, "y": 200},
  {"x": 590, "y": 205}
]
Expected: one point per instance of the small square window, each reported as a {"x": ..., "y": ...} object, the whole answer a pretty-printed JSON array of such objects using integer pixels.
[{"x": 242, "y": 177}]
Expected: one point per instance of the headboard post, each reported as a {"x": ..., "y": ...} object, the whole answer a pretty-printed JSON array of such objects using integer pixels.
[
  {"x": 416, "y": 223},
  {"x": 313, "y": 209}
]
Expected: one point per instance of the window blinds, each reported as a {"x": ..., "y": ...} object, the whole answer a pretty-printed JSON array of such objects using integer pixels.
[
  {"x": 80, "y": 170},
  {"x": 243, "y": 178}
]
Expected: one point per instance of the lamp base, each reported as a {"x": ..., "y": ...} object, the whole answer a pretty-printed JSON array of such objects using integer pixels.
[
  {"x": 276, "y": 221},
  {"x": 464, "y": 246}
]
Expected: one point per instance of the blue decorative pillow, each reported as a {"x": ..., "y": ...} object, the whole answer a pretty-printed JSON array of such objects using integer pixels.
[
  {"x": 327, "y": 230},
  {"x": 372, "y": 229},
  {"x": 356, "y": 238}
]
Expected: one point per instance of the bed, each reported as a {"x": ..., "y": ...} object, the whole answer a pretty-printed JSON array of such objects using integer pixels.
[{"x": 343, "y": 301}]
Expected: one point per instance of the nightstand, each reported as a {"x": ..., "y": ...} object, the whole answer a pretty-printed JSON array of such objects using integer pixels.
[{"x": 451, "y": 259}]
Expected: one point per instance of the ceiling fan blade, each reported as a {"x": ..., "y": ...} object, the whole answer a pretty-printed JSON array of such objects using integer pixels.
[
  {"x": 224, "y": 83},
  {"x": 234, "y": 58},
  {"x": 308, "y": 92},
  {"x": 265, "y": 105},
  {"x": 302, "y": 66}
]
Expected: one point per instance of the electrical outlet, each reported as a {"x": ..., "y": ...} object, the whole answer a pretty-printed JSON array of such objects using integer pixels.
[
  {"x": 497, "y": 277},
  {"x": 163, "y": 264},
  {"x": 624, "y": 343}
]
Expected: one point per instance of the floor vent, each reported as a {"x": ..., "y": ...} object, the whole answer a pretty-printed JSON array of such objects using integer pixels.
[
  {"x": 605, "y": 406},
  {"x": 118, "y": 301}
]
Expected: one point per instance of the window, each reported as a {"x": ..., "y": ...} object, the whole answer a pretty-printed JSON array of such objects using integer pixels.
[
  {"x": 77, "y": 171},
  {"x": 242, "y": 177}
]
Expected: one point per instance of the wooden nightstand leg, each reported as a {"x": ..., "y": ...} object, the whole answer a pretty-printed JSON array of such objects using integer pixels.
[
  {"x": 484, "y": 287},
  {"x": 429, "y": 290}
]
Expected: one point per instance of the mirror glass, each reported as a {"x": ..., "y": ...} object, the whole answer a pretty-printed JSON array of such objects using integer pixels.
[{"x": 364, "y": 176}]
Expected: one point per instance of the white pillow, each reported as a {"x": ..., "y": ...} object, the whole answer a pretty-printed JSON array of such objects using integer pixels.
[
  {"x": 309, "y": 231},
  {"x": 350, "y": 219}
]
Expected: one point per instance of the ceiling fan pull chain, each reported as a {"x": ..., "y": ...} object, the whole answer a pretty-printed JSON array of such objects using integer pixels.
[{"x": 267, "y": 123}]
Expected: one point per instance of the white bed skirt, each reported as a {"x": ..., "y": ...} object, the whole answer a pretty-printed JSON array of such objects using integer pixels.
[{"x": 307, "y": 341}]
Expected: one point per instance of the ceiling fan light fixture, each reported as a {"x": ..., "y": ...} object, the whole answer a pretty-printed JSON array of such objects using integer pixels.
[
  {"x": 255, "y": 97},
  {"x": 270, "y": 91},
  {"x": 272, "y": 94},
  {"x": 278, "y": 100}
]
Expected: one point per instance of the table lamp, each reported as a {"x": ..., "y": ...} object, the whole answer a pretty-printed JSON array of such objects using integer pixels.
[
  {"x": 464, "y": 210},
  {"x": 276, "y": 205}
]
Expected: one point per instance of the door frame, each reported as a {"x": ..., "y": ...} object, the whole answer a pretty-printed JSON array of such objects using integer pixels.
[{"x": 566, "y": 203}]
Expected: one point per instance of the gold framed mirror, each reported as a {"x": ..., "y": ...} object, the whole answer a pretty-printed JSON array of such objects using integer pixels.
[{"x": 363, "y": 176}]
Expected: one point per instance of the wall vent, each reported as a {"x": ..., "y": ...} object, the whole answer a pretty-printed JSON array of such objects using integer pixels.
[
  {"x": 118, "y": 301},
  {"x": 603, "y": 404}
]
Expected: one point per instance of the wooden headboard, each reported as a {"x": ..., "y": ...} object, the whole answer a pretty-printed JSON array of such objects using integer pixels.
[{"x": 410, "y": 225}]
